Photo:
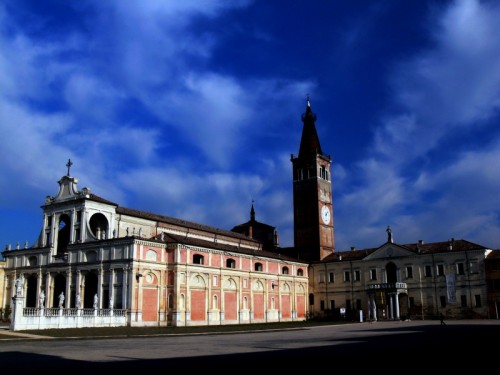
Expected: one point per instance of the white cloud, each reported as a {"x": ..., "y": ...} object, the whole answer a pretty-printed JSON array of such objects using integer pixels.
[{"x": 457, "y": 82}]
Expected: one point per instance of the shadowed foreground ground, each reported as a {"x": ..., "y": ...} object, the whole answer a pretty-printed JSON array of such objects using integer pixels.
[{"x": 387, "y": 347}]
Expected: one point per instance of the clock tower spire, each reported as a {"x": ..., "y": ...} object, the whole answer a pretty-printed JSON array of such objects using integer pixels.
[{"x": 312, "y": 194}]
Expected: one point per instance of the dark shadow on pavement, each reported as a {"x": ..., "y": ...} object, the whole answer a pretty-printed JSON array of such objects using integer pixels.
[{"x": 429, "y": 348}]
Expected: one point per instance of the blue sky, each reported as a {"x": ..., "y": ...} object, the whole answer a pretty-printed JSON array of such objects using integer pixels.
[{"x": 192, "y": 109}]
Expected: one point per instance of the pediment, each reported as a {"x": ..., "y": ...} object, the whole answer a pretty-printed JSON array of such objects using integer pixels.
[
  {"x": 389, "y": 250},
  {"x": 68, "y": 191}
]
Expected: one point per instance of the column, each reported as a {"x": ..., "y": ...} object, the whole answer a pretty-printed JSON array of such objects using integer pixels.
[
  {"x": 210, "y": 280},
  {"x": 78, "y": 292},
  {"x": 111, "y": 288},
  {"x": 279, "y": 298},
  {"x": 390, "y": 313},
  {"x": 99, "y": 287},
  {"x": 222, "y": 298},
  {"x": 52, "y": 230},
  {"x": 125, "y": 291},
  {"x": 78, "y": 286},
  {"x": 67, "y": 302},
  {"x": 49, "y": 292},
  {"x": 72, "y": 226},
  {"x": 369, "y": 307},
  {"x": 251, "y": 307},
  {"x": 396, "y": 297},
  {"x": 138, "y": 294},
  {"x": 39, "y": 290},
  {"x": 83, "y": 227}
]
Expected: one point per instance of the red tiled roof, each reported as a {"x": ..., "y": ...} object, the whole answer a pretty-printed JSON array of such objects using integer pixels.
[
  {"x": 176, "y": 239},
  {"x": 417, "y": 248},
  {"x": 179, "y": 222}
]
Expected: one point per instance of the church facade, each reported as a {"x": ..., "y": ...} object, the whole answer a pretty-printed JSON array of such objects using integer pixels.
[{"x": 97, "y": 263}]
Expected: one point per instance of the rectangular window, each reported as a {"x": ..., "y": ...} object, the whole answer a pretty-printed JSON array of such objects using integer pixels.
[
  {"x": 428, "y": 271},
  {"x": 442, "y": 300},
  {"x": 357, "y": 275},
  {"x": 477, "y": 298},
  {"x": 347, "y": 276},
  {"x": 373, "y": 274},
  {"x": 460, "y": 269},
  {"x": 463, "y": 301},
  {"x": 331, "y": 277},
  {"x": 321, "y": 276},
  {"x": 245, "y": 283},
  {"x": 348, "y": 304},
  {"x": 322, "y": 305},
  {"x": 332, "y": 304},
  {"x": 409, "y": 272},
  {"x": 215, "y": 280},
  {"x": 474, "y": 267},
  {"x": 440, "y": 270}
]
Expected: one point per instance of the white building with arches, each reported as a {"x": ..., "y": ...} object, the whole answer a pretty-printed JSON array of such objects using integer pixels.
[{"x": 119, "y": 266}]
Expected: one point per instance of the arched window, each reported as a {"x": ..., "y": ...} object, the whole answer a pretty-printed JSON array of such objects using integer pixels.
[
  {"x": 64, "y": 233},
  {"x": 300, "y": 272},
  {"x": 258, "y": 267},
  {"x": 284, "y": 270},
  {"x": 99, "y": 226},
  {"x": 230, "y": 263}
]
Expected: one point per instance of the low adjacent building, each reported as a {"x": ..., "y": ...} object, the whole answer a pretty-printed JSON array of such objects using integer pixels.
[{"x": 404, "y": 281}]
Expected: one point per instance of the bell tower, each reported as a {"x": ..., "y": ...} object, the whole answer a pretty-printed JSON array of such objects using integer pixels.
[{"x": 312, "y": 195}]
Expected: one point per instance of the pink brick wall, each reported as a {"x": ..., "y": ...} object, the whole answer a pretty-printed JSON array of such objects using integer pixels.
[
  {"x": 198, "y": 306},
  {"x": 258, "y": 300},
  {"x": 150, "y": 305},
  {"x": 230, "y": 307}
]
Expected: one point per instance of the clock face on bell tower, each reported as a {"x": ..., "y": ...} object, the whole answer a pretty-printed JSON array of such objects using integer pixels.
[
  {"x": 312, "y": 195},
  {"x": 325, "y": 215}
]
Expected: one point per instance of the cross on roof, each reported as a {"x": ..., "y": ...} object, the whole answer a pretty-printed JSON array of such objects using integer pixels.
[{"x": 69, "y": 164}]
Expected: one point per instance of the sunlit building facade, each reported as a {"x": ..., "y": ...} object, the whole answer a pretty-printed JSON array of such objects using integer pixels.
[{"x": 96, "y": 263}]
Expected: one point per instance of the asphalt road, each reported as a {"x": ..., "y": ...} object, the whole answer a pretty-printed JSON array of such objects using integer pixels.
[{"x": 377, "y": 347}]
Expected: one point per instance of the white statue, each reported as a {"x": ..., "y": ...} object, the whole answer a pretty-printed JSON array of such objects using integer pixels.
[
  {"x": 95, "y": 301},
  {"x": 78, "y": 300},
  {"x": 61, "y": 300},
  {"x": 19, "y": 286},
  {"x": 42, "y": 299}
]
